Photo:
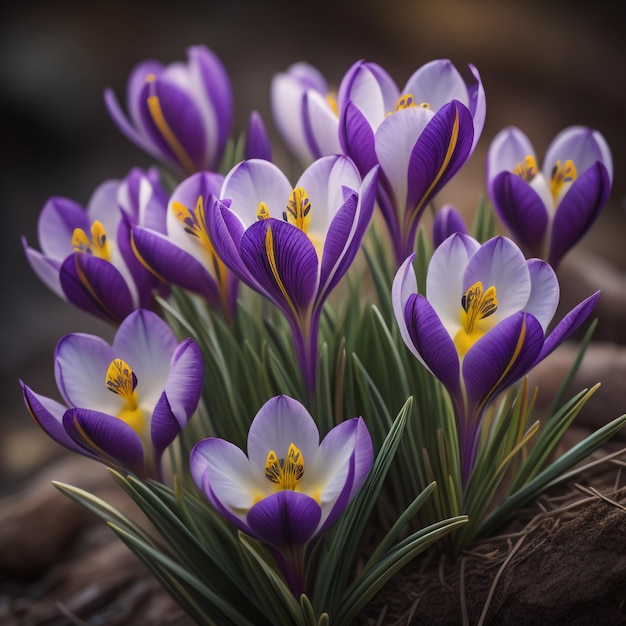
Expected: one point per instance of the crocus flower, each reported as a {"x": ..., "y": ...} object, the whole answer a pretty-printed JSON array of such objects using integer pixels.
[
  {"x": 482, "y": 324},
  {"x": 447, "y": 222},
  {"x": 181, "y": 114},
  {"x": 126, "y": 402},
  {"x": 290, "y": 488},
  {"x": 420, "y": 136},
  {"x": 305, "y": 113},
  {"x": 549, "y": 210},
  {"x": 184, "y": 255},
  {"x": 293, "y": 244},
  {"x": 86, "y": 255}
]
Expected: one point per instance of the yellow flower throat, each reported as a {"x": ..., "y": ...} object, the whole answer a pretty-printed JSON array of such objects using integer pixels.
[
  {"x": 476, "y": 306},
  {"x": 285, "y": 473}
]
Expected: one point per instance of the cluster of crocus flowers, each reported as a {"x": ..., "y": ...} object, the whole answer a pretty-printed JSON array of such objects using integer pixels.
[
  {"x": 548, "y": 210},
  {"x": 87, "y": 256},
  {"x": 482, "y": 324},
  {"x": 290, "y": 488},
  {"x": 293, "y": 244},
  {"x": 420, "y": 136},
  {"x": 184, "y": 255},
  {"x": 126, "y": 402},
  {"x": 181, "y": 114}
]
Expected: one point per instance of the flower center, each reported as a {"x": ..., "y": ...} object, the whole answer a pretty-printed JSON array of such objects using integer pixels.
[
  {"x": 195, "y": 225},
  {"x": 298, "y": 209},
  {"x": 476, "y": 306},
  {"x": 526, "y": 169},
  {"x": 332, "y": 103},
  {"x": 560, "y": 175},
  {"x": 122, "y": 381},
  {"x": 287, "y": 472},
  {"x": 97, "y": 244},
  {"x": 262, "y": 212},
  {"x": 407, "y": 101}
]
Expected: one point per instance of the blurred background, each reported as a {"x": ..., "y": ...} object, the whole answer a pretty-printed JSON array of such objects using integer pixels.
[{"x": 545, "y": 65}]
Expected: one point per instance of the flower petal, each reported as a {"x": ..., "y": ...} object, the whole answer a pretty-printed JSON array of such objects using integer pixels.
[
  {"x": 521, "y": 209},
  {"x": 111, "y": 440},
  {"x": 286, "y": 518},
  {"x": 448, "y": 221},
  {"x": 284, "y": 262},
  {"x": 184, "y": 383},
  {"x": 280, "y": 422},
  {"x": 544, "y": 292},
  {"x": 508, "y": 148},
  {"x": 55, "y": 226},
  {"x": 433, "y": 342},
  {"x": 96, "y": 286},
  {"x": 357, "y": 138},
  {"x": 578, "y": 210},
  {"x": 437, "y": 83},
  {"x": 48, "y": 414},
  {"x": 257, "y": 144},
  {"x": 499, "y": 262}
]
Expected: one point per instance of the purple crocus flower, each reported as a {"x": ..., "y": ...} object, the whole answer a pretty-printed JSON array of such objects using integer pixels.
[
  {"x": 127, "y": 401},
  {"x": 305, "y": 113},
  {"x": 482, "y": 324},
  {"x": 447, "y": 222},
  {"x": 549, "y": 210},
  {"x": 290, "y": 488},
  {"x": 86, "y": 255},
  {"x": 420, "y": 136},
  {"x": 181, "y": 114},
  {"x": 293, "y": 245},
  {"x": 184, "y": 255}
]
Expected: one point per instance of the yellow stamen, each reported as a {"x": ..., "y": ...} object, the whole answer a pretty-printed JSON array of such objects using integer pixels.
[
  {"x": 526, "y": 169},
  {"x": 195, "y": 225},
  {"x": 476, "y": 306},
  {"x": 158, "y": 117},
  {"x": 97, "y": 244},
  {"x": 560, "y": 175},
  {"x": 271, "y": 259},
  {"x": 122, "y": 381},
  {"x": 285, "y": 473},
  {"x": 262, "y": 212},
  {"x": 407, "y": 101},
  {"x": 298, "y": 209}
]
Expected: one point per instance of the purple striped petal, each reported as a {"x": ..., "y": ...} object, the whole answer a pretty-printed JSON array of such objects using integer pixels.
[
  {"x": 172, "y": 264},
  {"x": 164, "y": 427},
  {"x": 477, "y": 105},
  {"x": 110, "y": 439},
  {"x": 284, "y": 262},
  {"x": 433, "y": 342},
  {"x": 508, "y": 148},
  {"x": 284, "y": 519},
  {"x": 96, "y": 286},
  {"x": 439, "y": 152},
  {"x": 181, "y": 114},
  {"x": 500, "y": 358},
  {"x": 578, "y": 210},
  {"x": 568, "y": 325},
  {"x": 257, "y": 144},
  {"x": 345, "y": 235},
  {"x": 48, "y": 414},
  {"x": 521, "y": 209},
  {"x": 218, "y": 88},
  {"x": 357, "y": 138}
]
